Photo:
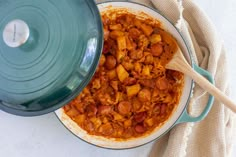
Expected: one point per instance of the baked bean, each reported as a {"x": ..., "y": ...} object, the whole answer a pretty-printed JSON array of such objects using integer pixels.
[
  {"x": 163, "y": 108},
  {"x": 149, "y": 59},
  {"x": 140, "y": 129},
  {"x": 156, "y": 50},
  {"x": 110, "y": 62}
]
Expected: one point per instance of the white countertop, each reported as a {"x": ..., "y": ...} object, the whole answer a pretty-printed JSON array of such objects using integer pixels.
[{"x": 45, "y": 136}]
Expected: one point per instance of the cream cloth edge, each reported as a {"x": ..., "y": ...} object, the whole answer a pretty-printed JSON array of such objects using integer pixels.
[{"x": 214, "y": 39}]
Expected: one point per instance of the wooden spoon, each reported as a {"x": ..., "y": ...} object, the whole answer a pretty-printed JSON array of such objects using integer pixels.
[{"x": 179, "y": 63}]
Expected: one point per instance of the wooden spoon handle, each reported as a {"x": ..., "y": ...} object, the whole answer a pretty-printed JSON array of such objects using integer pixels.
[
  {"x": 179, "y": 63},
  {"x": 205, "y": 84}
]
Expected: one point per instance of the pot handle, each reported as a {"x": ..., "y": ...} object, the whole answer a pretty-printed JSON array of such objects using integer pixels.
[{"x": 185, "y": 117}]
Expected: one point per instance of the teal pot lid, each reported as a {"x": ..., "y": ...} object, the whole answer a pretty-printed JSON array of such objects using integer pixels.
[{"x": 49, "y": 51}]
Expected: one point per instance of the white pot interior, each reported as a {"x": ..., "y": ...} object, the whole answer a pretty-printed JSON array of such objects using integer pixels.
[{"x": 112, "y": 143}]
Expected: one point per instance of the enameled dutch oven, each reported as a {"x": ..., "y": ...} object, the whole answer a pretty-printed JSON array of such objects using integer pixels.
[
  {"x": 49, "y": 51},
  {"x": 179, "y": 116}
]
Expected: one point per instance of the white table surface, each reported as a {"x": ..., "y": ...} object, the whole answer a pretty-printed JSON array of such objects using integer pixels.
[{"x": 46, "y": 137}]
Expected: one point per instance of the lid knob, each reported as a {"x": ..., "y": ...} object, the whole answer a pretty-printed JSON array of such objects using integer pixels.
[{"x": 16, "y": 33}]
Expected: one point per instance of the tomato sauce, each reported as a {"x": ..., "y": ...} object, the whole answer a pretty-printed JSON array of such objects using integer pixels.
[{"x": 131, "y": 93}]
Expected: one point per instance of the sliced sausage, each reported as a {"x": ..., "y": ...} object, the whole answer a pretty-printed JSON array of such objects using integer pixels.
[
  {"x": 124, "y": 107},
  {"x": 140, "y": 117},
  {"x": 134, "y": 33},
  {"x": 150, "y": 83},
  {"x": 162, "y": 83}
]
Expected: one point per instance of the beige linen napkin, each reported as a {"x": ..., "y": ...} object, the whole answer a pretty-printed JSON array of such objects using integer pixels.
[{"x": 212, "y": 137}]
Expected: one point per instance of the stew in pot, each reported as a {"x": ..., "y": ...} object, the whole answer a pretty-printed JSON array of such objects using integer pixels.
[{"x": 131, "y": 93}]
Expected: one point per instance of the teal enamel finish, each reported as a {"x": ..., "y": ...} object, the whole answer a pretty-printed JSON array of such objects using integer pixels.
[
  {"x": 185, "y": 117},
  {"x": 57, "y": 61}
]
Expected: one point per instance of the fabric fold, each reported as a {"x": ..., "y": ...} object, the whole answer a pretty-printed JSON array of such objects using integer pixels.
[{"x": 209, "y": 137}]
